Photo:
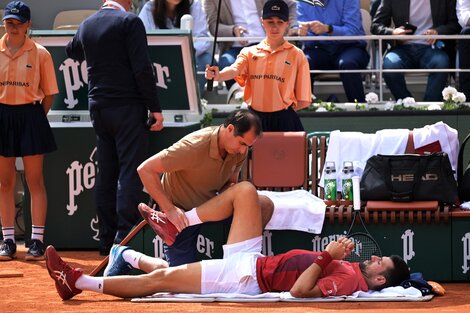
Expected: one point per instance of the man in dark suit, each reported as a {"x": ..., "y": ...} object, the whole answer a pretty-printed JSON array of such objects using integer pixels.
[
  {"x": 121, "y": 88},
  {"x": 430, "y": 17}
]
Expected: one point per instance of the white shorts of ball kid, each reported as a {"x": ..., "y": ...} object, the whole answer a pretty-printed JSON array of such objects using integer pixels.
[{"x": 236, "y": 272}]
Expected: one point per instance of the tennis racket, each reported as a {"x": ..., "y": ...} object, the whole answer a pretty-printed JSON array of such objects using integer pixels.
[{"x": 365, "y": 245}]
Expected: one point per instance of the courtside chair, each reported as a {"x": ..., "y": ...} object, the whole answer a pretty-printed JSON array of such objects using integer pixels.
[
  {"x": 69, "y": 20},
  {"x": 279, "y": 161}
]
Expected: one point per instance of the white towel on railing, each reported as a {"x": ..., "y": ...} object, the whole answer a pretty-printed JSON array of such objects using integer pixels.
[
  {"x": 296, "y": 210},
  {"x": 359, "y": 147},
  {"x": 447, "y": 136}
]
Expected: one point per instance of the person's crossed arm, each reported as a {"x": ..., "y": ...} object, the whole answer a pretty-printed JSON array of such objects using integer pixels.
[{"x": 306, "y": 285}]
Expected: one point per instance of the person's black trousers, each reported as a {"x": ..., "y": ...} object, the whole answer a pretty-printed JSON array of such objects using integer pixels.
[{"x": 122, "y": 145}]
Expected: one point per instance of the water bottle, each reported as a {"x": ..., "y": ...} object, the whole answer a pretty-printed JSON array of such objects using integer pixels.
[
  {"x": 346, "y": 181},
  {"x": 187, "y": 22},
  {"x": 330, "y": 181}
]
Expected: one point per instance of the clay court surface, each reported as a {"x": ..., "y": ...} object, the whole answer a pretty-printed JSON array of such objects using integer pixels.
[{"x": 35, "y": 292}]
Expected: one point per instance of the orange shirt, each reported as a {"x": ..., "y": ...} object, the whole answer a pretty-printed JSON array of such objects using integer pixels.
[
  {"x": 27, "y": 76},
  {"x": 273, "y": 79}
]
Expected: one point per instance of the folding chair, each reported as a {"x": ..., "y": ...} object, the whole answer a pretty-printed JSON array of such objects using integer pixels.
[{"x": 279, "y": 161}]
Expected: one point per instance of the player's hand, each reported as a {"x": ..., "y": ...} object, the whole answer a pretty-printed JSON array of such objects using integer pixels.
[
  {"x": 348, "y": 245},
  {"x": 158, "y": 125},
  {"x": 212, "y": 72},
  {"x": 176, "y": 217},
  {"x": 336, "y": 250}
]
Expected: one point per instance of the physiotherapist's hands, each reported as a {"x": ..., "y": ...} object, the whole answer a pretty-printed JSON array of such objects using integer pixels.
[
  {"x": 158, "y": 125},
  {"x": 176, "y": 217}
]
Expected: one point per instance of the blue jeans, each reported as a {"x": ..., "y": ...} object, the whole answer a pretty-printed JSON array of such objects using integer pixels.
[
  {"x": 341, "y": 57},
  {"x": 227, "y": 59},
  {"x": 416, "y": 56},
  {"x": 201, "y": 61},
  {"x": 464, "y": 60}
]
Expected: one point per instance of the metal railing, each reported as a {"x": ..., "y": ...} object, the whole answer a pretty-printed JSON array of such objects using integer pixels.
[{"x": 376, "y": 46}]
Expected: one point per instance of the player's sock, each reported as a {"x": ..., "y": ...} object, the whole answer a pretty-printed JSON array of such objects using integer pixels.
[
  {"x": 132, "y": 257},
  {"x": 192, "y": 217},
  {"x": 90, "y": 283}
]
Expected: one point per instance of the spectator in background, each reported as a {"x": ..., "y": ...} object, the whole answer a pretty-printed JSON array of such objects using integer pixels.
[
  {"x": 27, "y": 88},
  {"x": 431, "y": 17},
  {"x": 335, "y": 18},
  {"x": 240, "y": 18},
  {"x": 275, "y": 73},
  {"x": 166, "y": 14},
  {"x": 121, "y": 90},
  {"x": 463, "y": 14},
  {"x": 374, "y": 5}
]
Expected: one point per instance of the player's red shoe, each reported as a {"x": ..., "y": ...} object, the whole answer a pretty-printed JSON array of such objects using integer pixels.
[
  {"x": 64, "y": 275},
  {"x": 159, "y": 223}
]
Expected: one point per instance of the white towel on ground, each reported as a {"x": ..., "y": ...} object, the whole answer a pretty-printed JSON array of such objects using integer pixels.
[
  {"x": 296, "y": 210},
  {"x": 387, "y": 294}
]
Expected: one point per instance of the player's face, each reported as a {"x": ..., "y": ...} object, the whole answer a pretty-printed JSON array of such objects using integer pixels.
[
  {"x": 376, "y": 265},
  {"x": 239, "y": 144},
  {"x": 274, "y": 27}
]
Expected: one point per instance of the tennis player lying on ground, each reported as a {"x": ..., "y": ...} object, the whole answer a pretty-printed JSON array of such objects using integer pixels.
[{"x": 242, "y": 270}]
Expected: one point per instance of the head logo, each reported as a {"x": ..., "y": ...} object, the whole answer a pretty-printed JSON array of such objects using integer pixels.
[
  {"x": 81, "y": 177},
  {"x": 408, "y": 252}
]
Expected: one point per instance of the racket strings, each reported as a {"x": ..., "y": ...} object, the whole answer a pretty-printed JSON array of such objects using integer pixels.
[{"x": 364, "y": 248}]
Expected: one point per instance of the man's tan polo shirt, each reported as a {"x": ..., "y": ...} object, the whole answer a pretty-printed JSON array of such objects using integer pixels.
[{"x": 194, "y": 169}]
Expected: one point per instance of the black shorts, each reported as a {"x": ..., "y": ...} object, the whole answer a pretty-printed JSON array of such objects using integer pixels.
[
  {"x": 280, "y": 121},
  {"x": 25, "y": 130}
]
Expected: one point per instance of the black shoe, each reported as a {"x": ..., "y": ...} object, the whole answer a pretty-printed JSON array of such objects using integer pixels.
[
  {"x": 8, "y": 250},
  {"x": 35, "y": 251}
]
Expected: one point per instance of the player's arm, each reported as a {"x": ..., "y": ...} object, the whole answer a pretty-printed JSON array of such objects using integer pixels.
[
  {"x": 306, "y": 285},
  {"x": 212, "y": 72}
]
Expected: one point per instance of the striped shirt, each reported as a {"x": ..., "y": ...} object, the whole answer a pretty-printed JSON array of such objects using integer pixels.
[
  {"x": 273, "y": 79},
  {"x": 27, "y": 76}
]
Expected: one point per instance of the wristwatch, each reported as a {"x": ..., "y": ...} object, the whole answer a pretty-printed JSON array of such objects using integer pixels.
[{"x": 330, "y": 29}]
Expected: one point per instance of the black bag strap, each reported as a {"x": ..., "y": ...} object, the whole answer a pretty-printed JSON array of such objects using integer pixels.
[
  {"x": 406, "y": 195},
  {"x": 460, "y": 159}
]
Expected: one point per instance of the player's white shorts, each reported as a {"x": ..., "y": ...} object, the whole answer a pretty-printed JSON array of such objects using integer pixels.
[{"x": 236, "y": 272}]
